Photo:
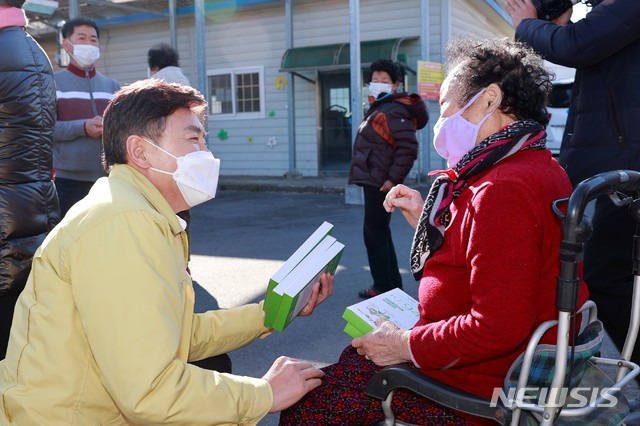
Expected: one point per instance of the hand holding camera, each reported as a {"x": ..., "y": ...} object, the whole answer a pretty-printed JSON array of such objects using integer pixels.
[
  {"x": 557, "y": 11},
  {"x": 549, "y": 10}
]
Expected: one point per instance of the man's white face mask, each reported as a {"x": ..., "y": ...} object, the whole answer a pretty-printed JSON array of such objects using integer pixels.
[
  {"x": 85, "y": 54},
  {"x": 196, "y": 175}
]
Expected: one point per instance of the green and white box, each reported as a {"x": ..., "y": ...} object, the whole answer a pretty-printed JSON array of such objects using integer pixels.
[
  {"x": 295, "y": 290},
  {"x": 272, "y": 300},
  {"x": 394, "y": 305}
]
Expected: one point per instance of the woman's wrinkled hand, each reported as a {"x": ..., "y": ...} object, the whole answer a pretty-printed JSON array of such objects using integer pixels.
[
  {"x": 385, "y": 345},
  {"x": 408, "y": 200}
]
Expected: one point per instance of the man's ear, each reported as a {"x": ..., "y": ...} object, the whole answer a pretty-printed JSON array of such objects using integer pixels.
[
  {"x": 67, "y": 46},
  {"x": 136, "y": 152}
]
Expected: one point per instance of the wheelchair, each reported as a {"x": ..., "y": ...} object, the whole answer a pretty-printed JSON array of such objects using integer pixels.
[{"x": 536, "y": 387}]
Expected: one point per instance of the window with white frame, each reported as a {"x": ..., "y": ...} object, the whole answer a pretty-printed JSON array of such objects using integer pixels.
[{"x": 236, "y": 93}]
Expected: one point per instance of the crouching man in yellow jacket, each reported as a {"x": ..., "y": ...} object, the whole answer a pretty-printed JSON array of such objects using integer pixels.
[{"x": 105, "y": 326}]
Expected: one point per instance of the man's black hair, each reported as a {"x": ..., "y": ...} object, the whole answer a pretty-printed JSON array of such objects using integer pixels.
[
  {"x": 71, "y": 24},
  {"x": 162, "y": 55},
  {"x": 388, "y": 66},
  {"x": 141, "y": 109}
]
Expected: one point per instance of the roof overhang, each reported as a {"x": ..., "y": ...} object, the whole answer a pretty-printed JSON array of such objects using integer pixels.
[{"x": 330, "y": 57}]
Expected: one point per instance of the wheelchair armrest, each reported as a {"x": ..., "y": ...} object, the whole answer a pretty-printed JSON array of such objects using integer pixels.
[{"x": 393, "y": 377}]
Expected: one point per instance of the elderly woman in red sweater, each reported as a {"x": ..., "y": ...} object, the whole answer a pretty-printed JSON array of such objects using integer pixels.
[{"x": 485, "y": 251}]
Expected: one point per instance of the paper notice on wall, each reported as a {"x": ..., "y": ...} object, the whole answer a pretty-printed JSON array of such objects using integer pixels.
[{"x": 430, "y": 78}]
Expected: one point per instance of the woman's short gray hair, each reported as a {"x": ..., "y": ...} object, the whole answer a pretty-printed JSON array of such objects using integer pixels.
[{"x": 513, "y": 66}]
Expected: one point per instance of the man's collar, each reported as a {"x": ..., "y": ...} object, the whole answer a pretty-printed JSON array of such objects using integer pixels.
[
  {"x": 80, "y": 72},
  {"x": 150, "y": 192}
]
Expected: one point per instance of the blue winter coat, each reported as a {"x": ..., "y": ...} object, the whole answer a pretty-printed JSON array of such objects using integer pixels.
[{"x": 603, "y": 127}]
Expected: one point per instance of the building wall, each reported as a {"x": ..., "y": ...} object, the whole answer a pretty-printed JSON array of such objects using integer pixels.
[
  {"x": 328, "y": 23},
  {"x": 476, "y": 17},
  {"x": 314, "y": 24},
  {"x": 255, "y": 36}
]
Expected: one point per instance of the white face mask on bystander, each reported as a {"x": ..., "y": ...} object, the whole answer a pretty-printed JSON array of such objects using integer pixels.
[
  {"x": 376, "y": 88},
  {"x": 85, "y": 54}
]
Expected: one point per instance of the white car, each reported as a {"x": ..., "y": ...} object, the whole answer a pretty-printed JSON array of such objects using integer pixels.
[{"x": 558, "y": 110}]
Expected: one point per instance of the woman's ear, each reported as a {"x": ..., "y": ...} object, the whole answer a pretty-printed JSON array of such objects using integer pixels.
[
  {"x": 136, "y": 152},
  {"x": 493, "y": 97}
]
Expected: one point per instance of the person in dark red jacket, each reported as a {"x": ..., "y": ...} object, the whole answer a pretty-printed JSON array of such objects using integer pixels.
[
  {"x": 28, "y": 200},
  {"x": 486, "y": 246},
  {"x": 383, "y": 154},
  {"x": 601, "y": 133}
]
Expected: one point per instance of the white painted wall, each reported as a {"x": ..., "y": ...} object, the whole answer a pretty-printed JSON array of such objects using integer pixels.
[{"x": 476, "y": 17}]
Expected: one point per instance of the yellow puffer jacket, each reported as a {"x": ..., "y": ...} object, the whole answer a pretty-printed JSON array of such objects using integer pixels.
[{"x": 105, "y": 326}]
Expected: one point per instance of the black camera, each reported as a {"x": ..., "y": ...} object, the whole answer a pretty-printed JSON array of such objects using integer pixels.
[{"x": 551, "y": 9}]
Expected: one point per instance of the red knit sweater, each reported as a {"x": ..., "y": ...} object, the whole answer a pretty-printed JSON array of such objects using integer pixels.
[{"x": 493, "y": 281}]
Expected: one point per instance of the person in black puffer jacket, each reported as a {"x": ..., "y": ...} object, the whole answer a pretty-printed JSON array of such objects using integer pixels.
[
  {"x": 28, "y": 200},
  {"x": 601, "y": 133},
  {"x": 383, "y": 154}
]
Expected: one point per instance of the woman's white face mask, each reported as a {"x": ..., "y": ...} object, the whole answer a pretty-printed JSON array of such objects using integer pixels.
[
  {"x": 196, "y": 175},
  {"x": 376, "y": 88}
]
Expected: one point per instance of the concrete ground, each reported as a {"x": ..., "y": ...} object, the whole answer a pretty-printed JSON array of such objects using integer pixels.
[{"x": 239, "y": 239}]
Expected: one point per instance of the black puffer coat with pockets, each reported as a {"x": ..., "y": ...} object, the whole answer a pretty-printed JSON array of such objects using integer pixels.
[{"x": 28, "y": 201}]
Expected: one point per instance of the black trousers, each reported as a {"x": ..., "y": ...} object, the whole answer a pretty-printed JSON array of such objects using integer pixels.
[
  {"x": 7, "y": 306},
  {"x": 377, "y": 239},
  {"x": 219, "y": 363},
  {"x": 608, "y": 269},
  {"x": 70, "y": 192}
]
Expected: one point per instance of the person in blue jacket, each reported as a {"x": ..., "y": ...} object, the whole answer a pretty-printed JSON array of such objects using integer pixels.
[{"x": 602, "y": 132}]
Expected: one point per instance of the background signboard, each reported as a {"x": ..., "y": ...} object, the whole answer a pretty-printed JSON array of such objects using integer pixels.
[{"x": 430, "y": 78}]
